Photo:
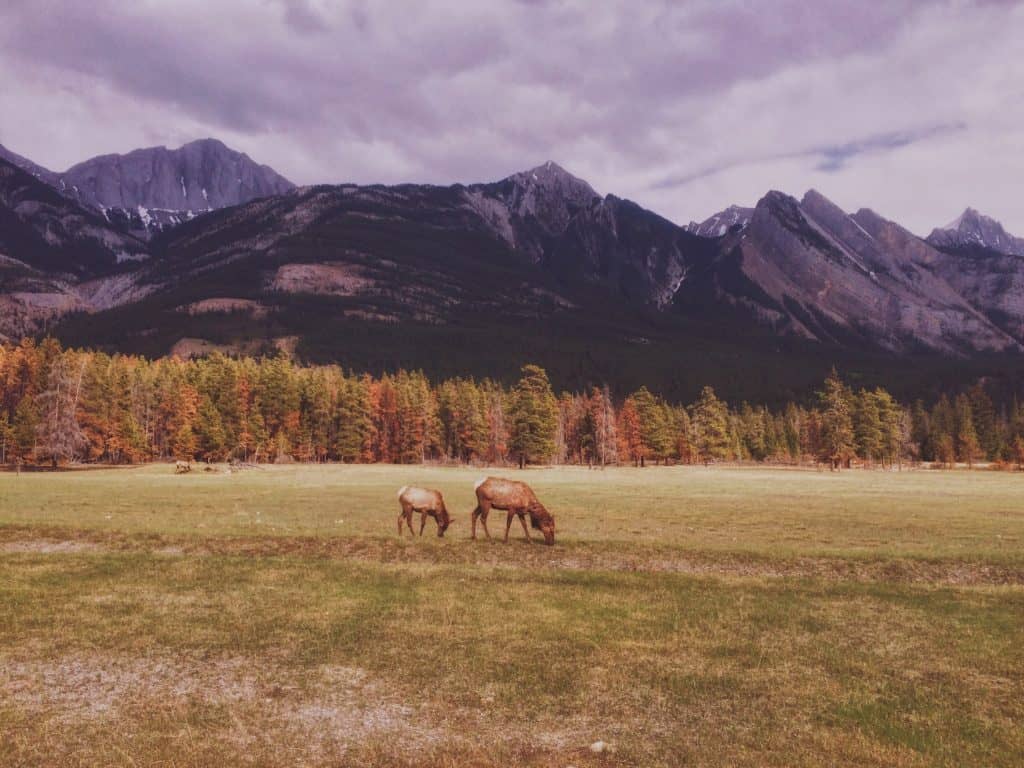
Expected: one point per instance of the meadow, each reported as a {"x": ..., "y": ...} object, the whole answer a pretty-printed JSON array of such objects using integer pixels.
[{"x": 685, "y": 616}]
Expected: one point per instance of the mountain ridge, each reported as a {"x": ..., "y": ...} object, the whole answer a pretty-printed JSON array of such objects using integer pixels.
[{"x": 540, "y": 246}]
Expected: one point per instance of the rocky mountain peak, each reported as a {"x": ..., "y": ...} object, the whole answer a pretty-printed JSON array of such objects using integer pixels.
[
  {"x": 552, "y": 179},
  {"x": 735, "y": 217},
  {"x": 198, "y": 176},
  {"x": 974, "y": 228}
]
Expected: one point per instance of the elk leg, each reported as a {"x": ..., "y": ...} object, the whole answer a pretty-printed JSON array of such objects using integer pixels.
[
  {"x": 408, "y": 521},
  {"x": 474, "y": 516},
  {"x": 483, "y": 521},
  {"x": 526, "y": 530},
  {"x": 423, "y": 521},
  {"x": 401, "y": 517},
  {"x": 508, "y": 525}
]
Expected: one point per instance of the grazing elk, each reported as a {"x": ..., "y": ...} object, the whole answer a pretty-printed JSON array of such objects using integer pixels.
[
  {"x": 517, "y": 499},
  {"x": 181, "y": 467},
  {"x": 428, "y": 503}
]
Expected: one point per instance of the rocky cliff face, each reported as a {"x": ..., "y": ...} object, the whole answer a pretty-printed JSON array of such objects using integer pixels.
[
  {"x": 825, "y": 275},
  {"x": 151, "y": 190},
  {"x": 198, "y": 176},
  {"x": 985, "y": 264},
  {"x": 559, "y": 222}
]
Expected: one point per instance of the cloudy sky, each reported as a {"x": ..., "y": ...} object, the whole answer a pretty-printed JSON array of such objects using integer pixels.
[{"x": 912, "y": 107}]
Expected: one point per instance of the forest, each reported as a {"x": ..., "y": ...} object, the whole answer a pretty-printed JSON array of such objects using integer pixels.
[{"x": 71, "y": 406}]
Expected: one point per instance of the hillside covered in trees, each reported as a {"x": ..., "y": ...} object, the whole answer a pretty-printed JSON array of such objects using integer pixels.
[{"x": 60, "y": 406}]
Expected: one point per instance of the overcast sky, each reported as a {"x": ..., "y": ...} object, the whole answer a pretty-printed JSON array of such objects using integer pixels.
[{"x": 914, "y": 108}]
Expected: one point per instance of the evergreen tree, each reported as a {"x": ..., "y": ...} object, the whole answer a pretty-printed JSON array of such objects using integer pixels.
[
  {"x": 983, "y": 417},
  {"x": 58, "y": 431},
  {"x": 654, "y": 426},
  {"x": 836, "y": 438},
  {"x": 711, "y": 427},
  {"x": 1018, "y": 451},
  {"x": 867, "y": 426},
  {"x": 943, "y": 431},
  {"x": 631, "y": 442},
  {"x": 26, "y": 420},
  {"x": 533, "y": 412},
  {"x": 210, "y": 438},
  {"x": 968, "y": 447},
  {"x": 920, "y": 431}
]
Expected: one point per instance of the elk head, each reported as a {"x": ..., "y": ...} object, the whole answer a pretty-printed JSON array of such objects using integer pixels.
[
  {"x": 443, "y": 521},
  {"x": 542, "y": 520}
]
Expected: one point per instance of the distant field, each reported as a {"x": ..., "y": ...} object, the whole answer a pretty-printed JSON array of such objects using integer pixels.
[
  {"x": 686, "y": 616},
  {"x": 922, "y": 513}
]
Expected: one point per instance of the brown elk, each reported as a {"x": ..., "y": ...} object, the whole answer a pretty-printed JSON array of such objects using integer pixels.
[
  {"x": 516, "y": 498},
  {"x": 425, "y": 501}
]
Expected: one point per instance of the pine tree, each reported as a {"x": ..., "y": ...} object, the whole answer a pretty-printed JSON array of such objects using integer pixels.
[
  {"x": 533, "y": 412},
  {"x": 605, "y": 432},
  {"x": 211, "y": 440},
  {"x": 6, "y": 436},
  {"x": 711, "y": 427},
  {"x": 654, "y": 426},
  {"x": 631, "y": 443},
  {"x": 968, "y": 447},
  {"x": 920, "y": 431},
  {"x": 1018, "y": 451},
  {"x": 836, "y": 438},
  {"x": 24, "y": 429},
  {"x": 867, "y": 426},
  {"x": 943, "y": 430},
  {"x": 58, "y": 431},
  {"x": 983, "y": 416}
]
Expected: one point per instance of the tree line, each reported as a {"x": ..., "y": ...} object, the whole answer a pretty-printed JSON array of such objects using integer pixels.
[{"x": 68, "y": 405}]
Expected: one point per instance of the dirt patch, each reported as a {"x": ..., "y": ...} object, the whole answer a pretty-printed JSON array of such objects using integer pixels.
[
  {"x": 187, "y": 348},
  {"x": 332, "y": 279},
  {"x": 50, "y": 546},
  {"x": 313, "y": 714},
  {"x": 222, "y": 304},
  {"x": 573, "y": 557},
  {"x": 317, "y": 707}
]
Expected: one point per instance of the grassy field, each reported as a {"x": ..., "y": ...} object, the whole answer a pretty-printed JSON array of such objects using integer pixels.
[{"x": 686, "y": 616}]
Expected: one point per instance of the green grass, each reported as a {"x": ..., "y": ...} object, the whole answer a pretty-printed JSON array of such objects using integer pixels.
[
  {"x": 764, "y": 618},
  {"x": 920, "y": 514}
]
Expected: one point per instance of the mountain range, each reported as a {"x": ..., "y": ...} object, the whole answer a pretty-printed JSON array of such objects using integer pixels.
[
  {"x": 201, "y": 248},
  {"x": 148, "y": 190}
]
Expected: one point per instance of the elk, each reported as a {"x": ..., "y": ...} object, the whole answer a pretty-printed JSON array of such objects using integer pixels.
[
  {"x": 516, "y": 498},
  {"x": 425, "y": 501}
]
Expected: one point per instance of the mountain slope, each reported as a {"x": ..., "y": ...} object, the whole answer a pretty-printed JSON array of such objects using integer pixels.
[
  {"x": 33, "y": 169},
  {"x": 807, "y": 268},
  {"x": 56, "y": 256},
  {"x": 542, "y": 245}
]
